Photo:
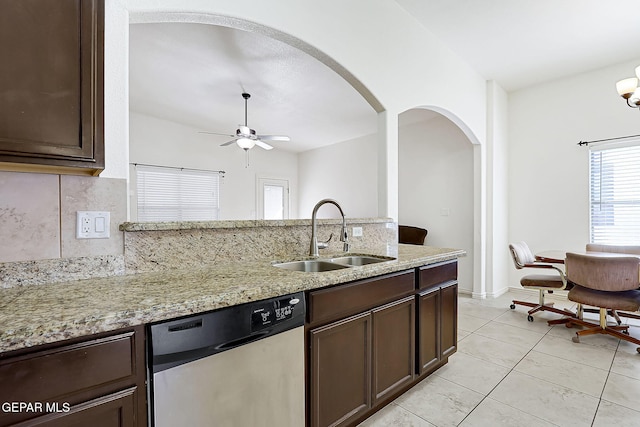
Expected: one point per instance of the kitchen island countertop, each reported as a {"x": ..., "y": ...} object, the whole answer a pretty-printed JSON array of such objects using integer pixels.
[{"x": 40, "y": 314}]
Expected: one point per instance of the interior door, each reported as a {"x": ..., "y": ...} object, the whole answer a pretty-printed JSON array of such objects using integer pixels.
[{"x": 273, "y": 198}]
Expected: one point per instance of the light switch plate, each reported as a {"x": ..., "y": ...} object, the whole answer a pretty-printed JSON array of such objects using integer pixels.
[
  {"x": 356, "y": 231},
  {"x": 92, "y": 224}
]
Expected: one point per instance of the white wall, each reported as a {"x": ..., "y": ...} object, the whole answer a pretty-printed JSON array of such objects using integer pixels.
[
  {"x": 356, "y": 41},
  {"x": 346, "y": 172},
  {"x": 164, "y": 143},
  {"x": 548, "y": 171},
  {"x": 436, "y": 174},
  {"x": 497, "y": 257},
  {"x": 370, "y": 38}
]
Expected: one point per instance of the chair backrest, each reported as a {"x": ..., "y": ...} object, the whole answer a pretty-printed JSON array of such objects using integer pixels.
[
  {"x": 592, "y": 247},
  {"x": 610, "y": 273},
  {"x": 411, "y": 235},
  {"x": 521, "y": 254}
]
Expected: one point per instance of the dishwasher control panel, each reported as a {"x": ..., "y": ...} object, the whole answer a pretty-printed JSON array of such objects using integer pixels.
[
  {"x": 179, "y": 341},
  {"x": 268, "y": 313}
]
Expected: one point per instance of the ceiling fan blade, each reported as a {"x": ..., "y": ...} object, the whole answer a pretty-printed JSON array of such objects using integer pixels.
[
  {"x": 262, "y": 144},
  {"x": 229, "y": 142},
  {"x": 274, "y": 138},
  {"x": 215, "y": 133}
]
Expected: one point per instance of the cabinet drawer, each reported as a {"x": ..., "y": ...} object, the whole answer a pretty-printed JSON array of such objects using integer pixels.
[
  {"x": 352, "y": 298},
  {"x": 435, "y": 274},
  {"x": 71, "y": 373},
  {"x": 114, "y": 410}
]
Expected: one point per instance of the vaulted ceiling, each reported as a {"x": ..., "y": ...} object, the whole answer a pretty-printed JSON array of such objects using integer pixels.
[{"x": 194, "y": 74}]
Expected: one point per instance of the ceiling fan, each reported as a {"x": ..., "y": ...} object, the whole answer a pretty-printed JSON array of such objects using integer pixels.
[{"x": 246, "y": 137}]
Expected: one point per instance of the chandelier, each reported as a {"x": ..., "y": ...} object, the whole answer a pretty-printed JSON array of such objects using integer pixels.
[{"x": 629, "y": 90}]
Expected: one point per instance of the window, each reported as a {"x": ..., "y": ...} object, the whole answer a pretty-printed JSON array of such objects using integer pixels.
[
  {"x": 173, "y": 194},
  {"x": 615, "y": 193}
]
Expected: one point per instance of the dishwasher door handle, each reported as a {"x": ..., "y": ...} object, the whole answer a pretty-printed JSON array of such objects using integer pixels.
[
  {"x": 241, "y": 341},
  {"x": 169, "y": 360}
]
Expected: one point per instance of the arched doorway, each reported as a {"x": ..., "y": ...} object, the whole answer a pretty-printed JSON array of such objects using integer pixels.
[
  {"x": 436, "y": 177},
  {"x": 239, "y": 42}
]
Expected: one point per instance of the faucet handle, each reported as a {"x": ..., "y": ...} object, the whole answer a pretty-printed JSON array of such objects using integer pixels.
[{"x": 325, "y": 244}]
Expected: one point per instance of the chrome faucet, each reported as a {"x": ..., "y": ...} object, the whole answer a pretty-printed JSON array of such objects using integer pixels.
[{"x": 315, "y": 245}]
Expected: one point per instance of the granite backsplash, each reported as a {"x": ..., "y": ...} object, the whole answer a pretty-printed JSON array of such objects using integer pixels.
[{"x": 183, "y": 245}]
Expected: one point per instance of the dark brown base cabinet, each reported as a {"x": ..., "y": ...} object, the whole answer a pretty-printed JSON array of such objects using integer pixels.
[
  {"x": 93, "y": 381},
  {"x": 393, "y": 347},
  {"x": 370, "y": 340},
  {"x": 437, "y": 314},
  {"x": 341, "y": 365},
  {"x": 437, "y": 327}
]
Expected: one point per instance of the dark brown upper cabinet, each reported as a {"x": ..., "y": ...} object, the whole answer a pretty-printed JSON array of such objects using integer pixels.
[{"x": 52, "y": 86}]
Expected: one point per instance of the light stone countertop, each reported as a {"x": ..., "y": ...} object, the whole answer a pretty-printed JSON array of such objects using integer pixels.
[{"x": 34, "y": 315}]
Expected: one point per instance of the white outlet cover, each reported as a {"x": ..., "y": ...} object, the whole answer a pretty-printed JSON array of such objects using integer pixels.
[
  {"x": 356, "y": 231},
  {"x": 93, "y": 224}
]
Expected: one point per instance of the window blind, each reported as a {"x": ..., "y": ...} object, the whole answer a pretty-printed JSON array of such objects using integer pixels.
[
  {"x": 614, "y": 171},
  {"x": 172, "y": 194}
]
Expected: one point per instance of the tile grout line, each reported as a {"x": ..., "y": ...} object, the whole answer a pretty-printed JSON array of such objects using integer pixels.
[
  {"x": 605, "y": 384},
  {"x": 530, "y": 350},
  {"x": 512, "y": 369},
  {"x": 503, "y": 378}
]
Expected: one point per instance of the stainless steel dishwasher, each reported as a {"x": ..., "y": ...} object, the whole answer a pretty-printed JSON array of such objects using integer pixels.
[{"x": 238, "y": 366}]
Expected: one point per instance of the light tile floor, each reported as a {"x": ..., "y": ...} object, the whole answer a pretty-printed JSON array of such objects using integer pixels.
[{"x": 511, "y": 372}]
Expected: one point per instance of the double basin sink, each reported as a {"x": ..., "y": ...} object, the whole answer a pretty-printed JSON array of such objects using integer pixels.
[{"x": 330, "y": 264}]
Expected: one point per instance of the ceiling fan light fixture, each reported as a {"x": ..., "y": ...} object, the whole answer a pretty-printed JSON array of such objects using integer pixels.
[
  {"x": 245, "y": 143},
  {"x": 247, "y": 138}
]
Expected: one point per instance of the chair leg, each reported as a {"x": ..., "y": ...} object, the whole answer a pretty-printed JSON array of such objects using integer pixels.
[
  {"x": 628, "y": 315},
  {"x": 541, "y": 306},
  {"x": 615, "y": 314},
  {"x": 568, "y": 321},
  {"x": 621, "y": 332}
]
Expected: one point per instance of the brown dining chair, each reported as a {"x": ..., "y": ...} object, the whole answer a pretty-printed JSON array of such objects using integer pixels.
[
  {"x": 609, "y": 283},
  {"x": 595, "y": 247},
  {"x": 524, "y": 258},
  {"x": 633, "y": 250},
  {"x": 412, "y": 235}
]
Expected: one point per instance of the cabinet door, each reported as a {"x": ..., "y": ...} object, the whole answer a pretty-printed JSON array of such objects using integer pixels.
[
  {"x": 393, "y": 347},
  {"x": 51, "y": 84},
  {"x": 429, "y": 315},
  {"x": 449, "y": 338},
  {"x": 340, "y": 388}
]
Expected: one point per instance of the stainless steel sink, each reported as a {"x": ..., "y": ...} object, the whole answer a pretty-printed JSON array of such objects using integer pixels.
[
  {"x": 358, "y": 260},
  {"x": 337, "y": 263},
  {"x": 311, "y": 266}
]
